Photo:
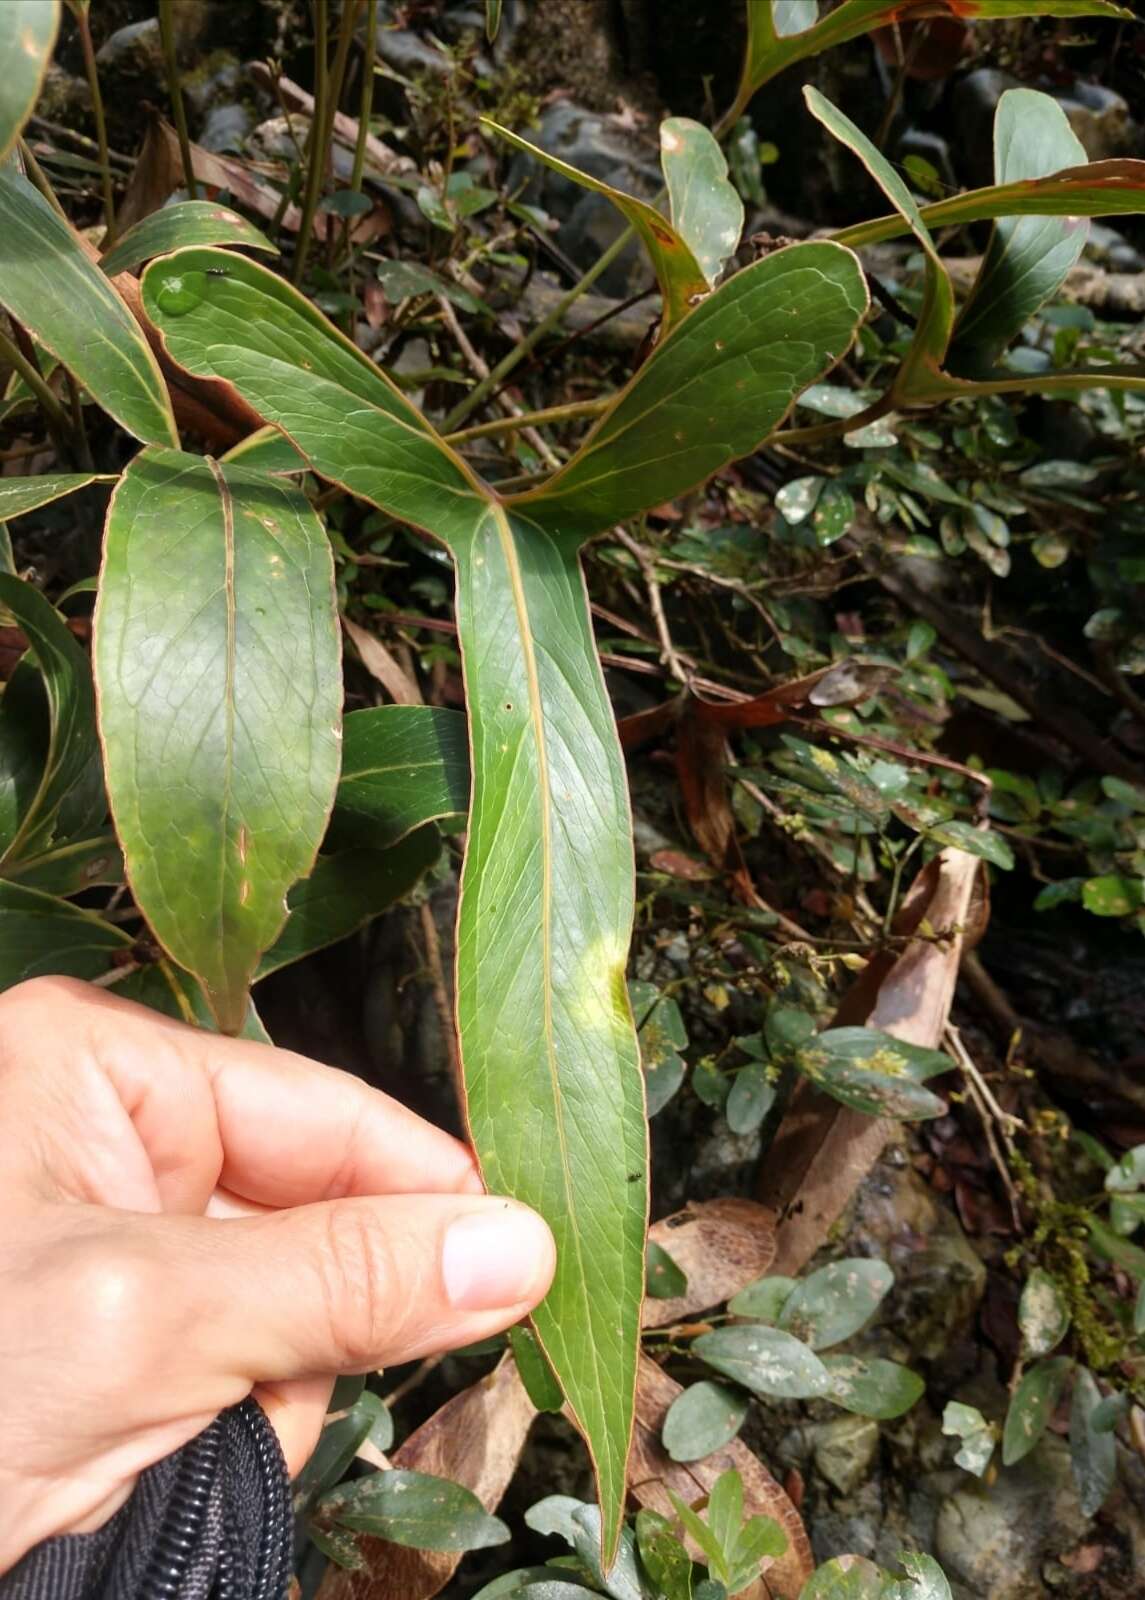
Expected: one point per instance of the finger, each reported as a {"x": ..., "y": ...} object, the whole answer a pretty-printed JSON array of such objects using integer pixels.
[
  {"x": 348, "y": 1286},
  {"x": 297, "y": 1410},
  {"x": 266, "y": 1124}
]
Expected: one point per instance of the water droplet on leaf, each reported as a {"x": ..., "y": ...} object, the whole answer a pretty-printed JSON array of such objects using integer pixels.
[{"x": 181, "y": 292}]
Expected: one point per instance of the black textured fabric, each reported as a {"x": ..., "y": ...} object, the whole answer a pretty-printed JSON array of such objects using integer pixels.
[{"x": 212, "y": 1522}]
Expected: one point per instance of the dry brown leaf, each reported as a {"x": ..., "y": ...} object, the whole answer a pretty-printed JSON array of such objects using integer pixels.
[
  {"x": 824, "y": 1150},
  {"x": 720, "y": 1245},
  {"x": 476, "y": 1439},
  {"x": 294, "y": 97},
  {"x": 652, "y": 1473},
  {"x": 380, "y": 664}
]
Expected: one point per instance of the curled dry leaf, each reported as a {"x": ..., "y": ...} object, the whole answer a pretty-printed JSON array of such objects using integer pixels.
[
  {"x": 380, "y": 664},
  {"x": 654, "y": 1476},
  {"x": 720, "y": 1245},
  {"x": 476, "y": 1440},
  {"x": 823, "y": 1150}
]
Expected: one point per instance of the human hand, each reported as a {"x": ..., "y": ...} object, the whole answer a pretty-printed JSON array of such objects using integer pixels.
[{"x": 190, "y": 1219}]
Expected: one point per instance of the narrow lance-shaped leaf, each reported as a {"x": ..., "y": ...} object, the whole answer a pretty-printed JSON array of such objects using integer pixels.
[
  {"x": 707, "y": 211},
  {"x": 27, "y": 40},
  {"x": 1028, "y": 257},
  {"x": 1100, "y": 189},
  {"x": 71, "y": 760},
  {"x": 216, "y": 654},
  {"x": 21, "y": 495},
  {"x": 550, "y": 1058},
  {"x": 781, "y": 32},
  {"x": 49, "y": 285},
  {"x": 679, "y": 274},
  {"x": 173, "y": 227},
  {"x": 919, "y": 376}
]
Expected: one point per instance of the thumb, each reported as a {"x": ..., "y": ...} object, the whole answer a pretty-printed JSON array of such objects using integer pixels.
[{"x": 352, "y": 1285}]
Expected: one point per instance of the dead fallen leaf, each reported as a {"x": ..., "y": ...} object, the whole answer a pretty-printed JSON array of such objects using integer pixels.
[
  {"x": 380, "y": 664},
  {"x": 476, "y": 1439},
  {"x": 840, "y": 684},
  {"x": 678, "y": 865},
  {"x": 720, "y": 1246},
  {"x": 823, "y": 1150},
  {"x": 294, "y": 97},
  {"x": 652, "y": 1473}
]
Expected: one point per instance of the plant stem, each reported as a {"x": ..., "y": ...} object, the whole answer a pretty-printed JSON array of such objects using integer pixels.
[
  {"x": 83, "y": 23},
  {"x": 39, "y": 179},
  {"x": 316, "y": 141},
  {"x": 54, "y": 413},
  {"x": 529, "y": 419},
  {"x": 517, "y": 354},
  {"x": 175, "y": 90},
  {"x": 79, "y": 432},
  {"x": 366, "y": 102}
]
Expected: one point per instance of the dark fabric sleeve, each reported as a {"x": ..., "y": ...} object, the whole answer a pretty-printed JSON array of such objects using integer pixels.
[{"x": 211, "y": 1522}]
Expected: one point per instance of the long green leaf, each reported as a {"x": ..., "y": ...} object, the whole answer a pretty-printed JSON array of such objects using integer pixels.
[
  {"x": 919, "y": 376},
  {"x": 1099, "y": 189},
  {"x": 173, "y": 227},
  {"x": 216, "y": 654},
  {"x": 21, "y": 495},
  {"x": 679, "y": 274},
  {"x": 71, "y": 761},
  {"x": 27, "y": 39},
  {"x": 781, "y": 32},
  {"x": 551, "y": 1063},
  {"x": 401, "y": 766},
  {"x": 1028, "y": 257},
  {"x": 346, "y": 890},
  {"x": 51, "y": 287},
  {"x": 40, "y": 934}
]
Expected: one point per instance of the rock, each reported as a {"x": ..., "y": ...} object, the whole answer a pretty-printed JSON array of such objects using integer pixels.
[
  {"x": 1102, "y": 121},
  {"x": 974, "y": 101},
  {"x": 64, "y": 98},
  {"x": 135, "y": 51},
  {"x": 225, "y": 128},
  {"x": 844, "y": 1451},
  {"x": 995, "y": 1541},
  {"x": 589, "y": 223},
  {"x": 1106, "y": 246},
  {"x": 939, "y": 1278}
]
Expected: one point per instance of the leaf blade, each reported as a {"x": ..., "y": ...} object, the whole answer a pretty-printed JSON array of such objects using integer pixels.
[
  {"x": 187, "y": 223},
  {"x": 26, "y": 45}
]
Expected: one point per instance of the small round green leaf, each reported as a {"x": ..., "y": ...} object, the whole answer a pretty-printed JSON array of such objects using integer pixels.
[
  {"x": 873, "y": 1388},
  {"x": 414, "y": 1509},
  {"x": 704, "y": 1418},
  {"x": 845, "y": 1578},
  {"x": 1032, "y": 1405},
  {"x": 764, "y": 1299},
  {"x": 665, "y": 1279},
  {"x": 1092, "y": 1450},
  {"x": 765, "y": 1360},
  {"x": 750, "y": 1098},
  {"x": 1043, "y": 1315},
  {"x": 835, "y": 1302}
]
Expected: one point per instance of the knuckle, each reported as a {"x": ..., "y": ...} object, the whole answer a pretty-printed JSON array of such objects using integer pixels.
[
  {"x": 359, "y": 1285},
  {"x": 112, "y": 1290}
]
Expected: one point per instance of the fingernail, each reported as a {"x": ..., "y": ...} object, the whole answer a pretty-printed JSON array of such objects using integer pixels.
[{"x": 497, "y": 1256}]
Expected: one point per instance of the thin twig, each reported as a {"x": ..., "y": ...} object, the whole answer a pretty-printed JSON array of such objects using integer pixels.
[
  {"x": 175, "y": 90},
  {"x": 992, "y": 1116},
  {"x": 671, "y": 655},
  {"x": 83, "y": 23},
  {"x": 315, "y": 153},
  {"x": 479, "y": 366},
  {"x": 576, "y": 408}
]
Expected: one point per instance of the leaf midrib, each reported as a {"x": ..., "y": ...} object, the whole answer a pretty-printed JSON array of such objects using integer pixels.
[{"x": 227, "y": 507}]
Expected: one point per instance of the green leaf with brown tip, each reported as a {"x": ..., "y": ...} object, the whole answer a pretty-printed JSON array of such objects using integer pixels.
[
  {"x": 173, "y": 227},
  {"x": 27, "y": 39},
  {"x": 679, "y": 274},
  {"x": 217, "y": 659},
  {"x": 67, "y": 304}
]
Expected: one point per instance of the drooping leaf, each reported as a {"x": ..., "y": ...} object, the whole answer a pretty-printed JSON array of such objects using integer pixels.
[
  {"x": 415, "y": 1509},
  {"x": 978, "y": 1437},
  {"x": 20, "y": 495},
  {"x": 835, "y": 1302},
  {"x": 1027, "y": 258},
  {"x": 1092, "y": 1450},
  {"x": 186, "y": 223},
  {"x": 402, "y": 766},
  {"x": 702, "y": 1419},
  {"x": 346, "y": 890},
  {"x": 873, "y": 1072},
  {"x": 765, "y": 1360},
  {"x": 216, "y": 652},
  {"x": 919, "y": 375},
  {"x": 873, "y": 1387},
  {"x": 27, "y": 40},
  {"x": 706, "y": 209},
  {"x": 1043, "y": 1313},
  {"x": 67, "y": 304},
  {"x": 546, "y": 892},
  {"x": 1032, "y": 1405},
  {"x": 680, "y": 276},
  {"x": 41, "y": 934},
  {"x": 71, "y": 768}
]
